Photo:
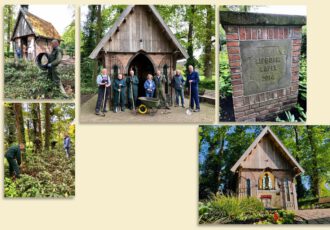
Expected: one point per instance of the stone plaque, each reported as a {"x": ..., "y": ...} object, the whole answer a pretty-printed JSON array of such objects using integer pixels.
[{"x": 266, "y": 65}]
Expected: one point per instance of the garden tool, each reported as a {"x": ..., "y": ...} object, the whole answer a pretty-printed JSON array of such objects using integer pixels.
[
  {"x": 189, "y": 110},
  {"x": 103, "y": 104},
  {"x": 133, "y": 103},
  {"x": 118, "y": 102}
]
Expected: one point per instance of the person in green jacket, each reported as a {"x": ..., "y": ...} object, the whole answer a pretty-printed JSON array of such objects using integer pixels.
[
  {"x": 132, "y": 83},
  {"x": 160, "y": 82},
  {"x": 119, "y": 89},
  {"x": 14, "y": 158},
  {"x": 54, "y": 60}
]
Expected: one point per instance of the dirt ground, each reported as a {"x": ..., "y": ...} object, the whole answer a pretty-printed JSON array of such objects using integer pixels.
[{"x": 175, "y": 115}]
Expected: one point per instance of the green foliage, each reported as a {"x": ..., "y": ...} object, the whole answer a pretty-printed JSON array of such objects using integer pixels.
[
  {"x": 225, "y": 79},
  {"x": 46, "y": 175},
  {"x": 303, "y": 78},
  {"x": 228, "y": 209},
  {"x": 207, "y": 84},
  {"x": 24, "y": 80},
  {"x": 68, "y": 37}
]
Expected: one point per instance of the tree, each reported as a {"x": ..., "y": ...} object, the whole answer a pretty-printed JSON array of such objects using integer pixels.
[
  {"x": 9, "y": 125},
  {"x": 209, "y": 29},
  {"x": 19, "y": 123},
  {"x": 8, "y": 21},
  {"x": 47, "y": 125}
]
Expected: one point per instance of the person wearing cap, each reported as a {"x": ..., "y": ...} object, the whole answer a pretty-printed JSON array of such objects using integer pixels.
[
  {"x": 54, "y": 60},
  {"x": 103, "y": 81},
  {"x": 14, "y": 159}
]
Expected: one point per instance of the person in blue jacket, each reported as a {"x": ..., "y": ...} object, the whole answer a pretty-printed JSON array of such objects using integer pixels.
[
  {"x": 193, "y": 80},
  {"x": 178, "y": 83},
  {"x": 149, "y": 86},
  {"x": 67, "y": 145},
  {"x": 14, "y": 158}
]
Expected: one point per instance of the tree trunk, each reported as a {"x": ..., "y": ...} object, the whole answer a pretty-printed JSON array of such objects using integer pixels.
[
  {"x": 208, "y": 66},
  {"x": 10, "y": 124},
  {"x": 36, "y": 121},
  {"x": 300, "y": 187},
  {"x": 315, "y": 180},
  {"x": 47, "y": 126},
  {"x": 10, "y": 12},
  {"x": 19, "y": 123},
  {"x": 190, "y": 49}
]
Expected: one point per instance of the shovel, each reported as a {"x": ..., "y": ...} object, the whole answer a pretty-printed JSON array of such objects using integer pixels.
[
  {"x": 102, "y": 109},
  {"x": 118, "y": 102},
  {"x": 134, "y": 109},
  {"x": 189, "y": 110}
]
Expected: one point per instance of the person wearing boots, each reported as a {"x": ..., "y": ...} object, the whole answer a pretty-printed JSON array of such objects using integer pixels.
[
  {"x": 178, "y": 84},
  {"x": 119, "y": 89},
  {"x": 14, "y": 159},
  {"x": 103, "y": 81},
  {"x": 132, "y": 83},
  {"x": 193, "y": 81},
  {"x": 160, "y": 82}
]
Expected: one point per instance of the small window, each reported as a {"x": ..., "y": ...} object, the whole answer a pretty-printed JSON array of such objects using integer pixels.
[
  {"x": 266, "y": 181},
  {"x": 248, "y": 187},
  {"x": 287, "y": 188}
]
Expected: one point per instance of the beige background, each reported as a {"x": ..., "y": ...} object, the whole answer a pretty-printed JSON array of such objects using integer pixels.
[{"x": 122, "y": 185}]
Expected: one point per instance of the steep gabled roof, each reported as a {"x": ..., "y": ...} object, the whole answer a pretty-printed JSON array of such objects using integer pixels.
[
  {"x": 38, "y": 26},
  {"x": 285, "y": 151},
  {"x": 121, "y": 19}
]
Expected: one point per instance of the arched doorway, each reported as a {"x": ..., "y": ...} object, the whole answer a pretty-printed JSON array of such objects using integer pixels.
[{"x": 142, "y": 66}]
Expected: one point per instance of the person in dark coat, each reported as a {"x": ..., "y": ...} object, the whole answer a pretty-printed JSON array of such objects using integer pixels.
[
  {"x": 67, "y": 145},
  {"x": 132, "y": 83},
  {"x": 103, "y": 81},
  {"x": 160, "y": 81},
  {"x": 178, "y": 83},
  {"x": 54, "y": 60},
  {"x": 193, "y": 81},
  {"x": 14, "y": 158},
  {"x": 119, "y": 89}
]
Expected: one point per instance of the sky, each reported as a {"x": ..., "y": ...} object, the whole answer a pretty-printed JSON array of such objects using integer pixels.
[
  {"x": 291, "y": 10},
  {"x": 59, "y": 15}
]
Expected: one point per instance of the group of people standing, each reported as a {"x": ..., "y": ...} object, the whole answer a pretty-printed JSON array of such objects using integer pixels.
[{"x": 154, "y": 87}]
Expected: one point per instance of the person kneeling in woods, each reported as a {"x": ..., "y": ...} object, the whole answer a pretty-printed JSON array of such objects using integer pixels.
[
  {"x": 178, "y": 83},
  {"x": 119, "y": 91},
  {"x": 13, "y": 156},
  {"x": 149, "y": 86},
  {"x": 66, "y": 145},
  {"x": 103, "y": 81},
  {"x": 54, "y": 60}
]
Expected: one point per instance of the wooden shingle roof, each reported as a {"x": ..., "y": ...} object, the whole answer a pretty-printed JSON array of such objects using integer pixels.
[
  {"x": 285, "y": 151},
  {"x": 121, "y": 19}
]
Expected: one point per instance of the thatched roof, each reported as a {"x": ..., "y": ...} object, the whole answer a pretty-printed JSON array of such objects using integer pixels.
[{"x": 38, "y": 26}]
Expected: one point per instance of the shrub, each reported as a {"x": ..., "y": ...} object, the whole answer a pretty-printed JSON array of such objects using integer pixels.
[{"x": 225, "y": 79}]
